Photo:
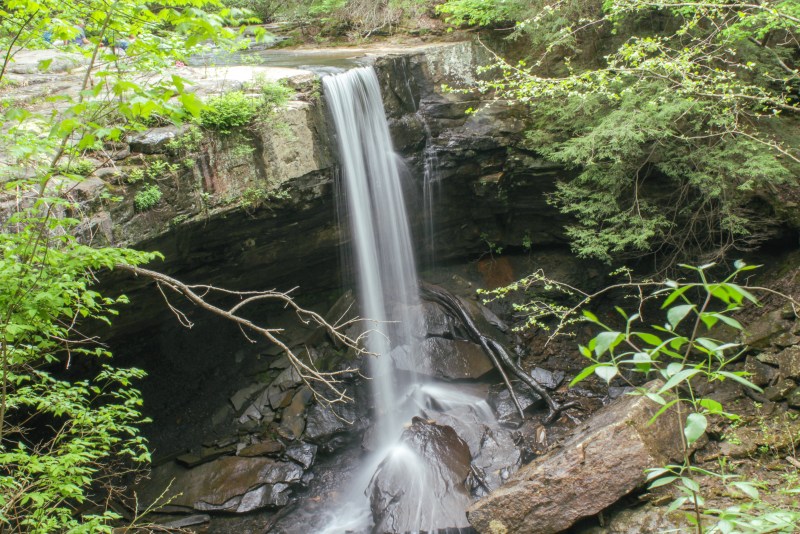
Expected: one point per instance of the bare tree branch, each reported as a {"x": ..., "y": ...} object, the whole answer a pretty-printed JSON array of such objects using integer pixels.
[{"x": 326, "y": 386}]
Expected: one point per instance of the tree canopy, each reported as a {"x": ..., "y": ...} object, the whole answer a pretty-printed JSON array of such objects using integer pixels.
[{"x": 680, "y": 117}]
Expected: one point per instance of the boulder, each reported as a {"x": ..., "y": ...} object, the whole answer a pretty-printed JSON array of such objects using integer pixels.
[
  {"x": 326, "y": 426},
  {"x": 502, "y": 404},
  {"x": 420, "y": 485},
  {"x": 155, "y": 141},
  {"x": 446, "y": 359},
  {"x": 601, "y": 461},
  {"x": 230, "y": 484}
]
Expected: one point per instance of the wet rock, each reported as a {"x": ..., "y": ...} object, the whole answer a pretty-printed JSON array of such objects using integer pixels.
[
  {"x": 502, "y": 404},
  {"x": 155, "y": 141},
  {"x": 601, "y": 461},
  {"x": 498, "y": 458},
  {"x": 779, "y": 391},
  {"x": 436, "y": 322},
  {"x": 761, "y": 332},
  {"x": 420, "y": 485},
  {"x": 302, "y": 453},
  {"x": 760, "y": 373},
  {"x": 240, "y": 398},
  {"x": 293, "y": 418},
  {"x": 263, "y": 448},
  {"x": 329, "y": 430},
  {"x": 449, "y": 359},
  {"x": 547, "y": 379},
  {"x": 230, "y": 484}
]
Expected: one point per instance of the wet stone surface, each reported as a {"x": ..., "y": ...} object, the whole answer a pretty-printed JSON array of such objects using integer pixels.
[{"x": 421, "y": 483}]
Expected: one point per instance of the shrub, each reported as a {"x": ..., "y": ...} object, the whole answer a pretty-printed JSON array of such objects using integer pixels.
[
  {"x": 77, "y": 166},
  {"x": 147, "y": 198},
  {"x": 228, "y": 112}
]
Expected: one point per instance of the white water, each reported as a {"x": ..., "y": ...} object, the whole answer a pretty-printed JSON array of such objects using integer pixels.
[
  {"x": 384, "y": 261},
  {"x": 388, "y": 295}
]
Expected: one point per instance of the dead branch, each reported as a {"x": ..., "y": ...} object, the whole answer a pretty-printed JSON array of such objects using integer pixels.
[
  {"x": 326, "y": 386},
  {"x": 495, "y": 351}
]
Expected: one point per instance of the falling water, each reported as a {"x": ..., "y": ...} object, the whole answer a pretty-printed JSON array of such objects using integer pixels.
[
  {"x": 430, "y": 193},
  {"x": 384, "y": 260},
  {"x": 388, "y": 295}
]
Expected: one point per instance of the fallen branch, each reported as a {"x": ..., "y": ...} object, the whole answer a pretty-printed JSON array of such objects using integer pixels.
[
  {"x": 495, "y": 351},
  {"x": 324, "y": 385}
]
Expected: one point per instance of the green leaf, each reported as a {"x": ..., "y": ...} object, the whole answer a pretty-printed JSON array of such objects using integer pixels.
[
  {"x": 675, "y": 294},
  {"x": 650, "y": 339},
  {"x": 746, "y": 488},
  {"x": 740, "y": 379},
  {"x": 44, "y": 64},
  {"x": 711, "y": 405},
  {"x": 662, "y": 482},
  {"x": 696, "y": 424},
  {"x": 677, "y": 313},
  {"x": 677, "y": 378},
  {"x": 583, "y": 374},
  {"x": 606, "y": 341},
  {"x": 606, "y": 372}
]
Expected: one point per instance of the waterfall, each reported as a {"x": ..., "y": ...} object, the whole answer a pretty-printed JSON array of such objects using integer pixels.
[
  {"x": 382, "y": 253},
  {"x": 415, "y": 485}
]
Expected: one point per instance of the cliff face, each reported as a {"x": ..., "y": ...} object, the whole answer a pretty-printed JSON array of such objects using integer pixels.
[{"x": 256, "y": 209}]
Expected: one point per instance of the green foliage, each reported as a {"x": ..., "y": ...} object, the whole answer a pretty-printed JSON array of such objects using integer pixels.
[
  {"x": 46, "y": 280},
  {"x": 77, "y": 167},
  {"x": 228, "y": 112},
  {"x": 686, "y": 357},
  {"x": 63, "y": 444},
  {"x": 481, "y": 12},
  {"x": 256, "y": 197},
  {"x": 147, "y": 198},
  {"x": 187, "y": 142},
  {"x": 666, "y": 127},
  {"x": 274, "y": 94},
  {"x": 264, "y": 10}
]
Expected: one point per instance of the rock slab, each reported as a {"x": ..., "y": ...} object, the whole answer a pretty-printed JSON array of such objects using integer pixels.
[{"x": 601, "y": 461}]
